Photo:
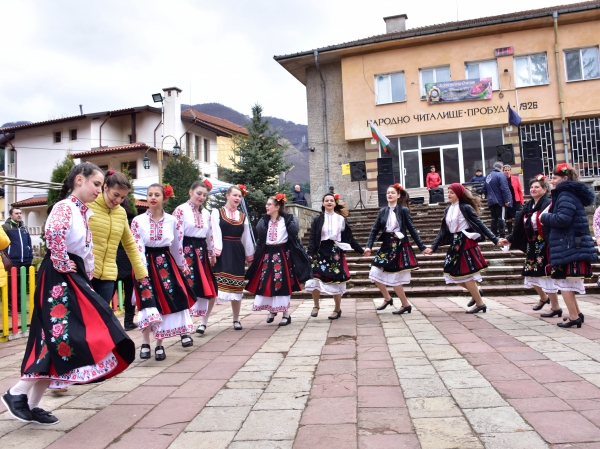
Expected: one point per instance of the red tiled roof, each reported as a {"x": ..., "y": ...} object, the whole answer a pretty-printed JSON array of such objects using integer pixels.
[
  {"x": 117, "y": 149},
  {"x": 453, "y": 26},
  {"x": 33, "y": 201},
  {"x": 141, "y": 203},
  {"x": 215, "y": 121}
]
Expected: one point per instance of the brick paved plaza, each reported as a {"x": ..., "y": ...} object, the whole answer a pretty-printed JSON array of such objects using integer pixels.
[{"x": 436, "y": 378}]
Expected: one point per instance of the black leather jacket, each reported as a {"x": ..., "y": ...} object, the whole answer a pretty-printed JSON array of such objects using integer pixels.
[
  {"x": 444, "y": 237},
  {"x": 404, "y": 221},
  {"x": 315, "y": 237}
]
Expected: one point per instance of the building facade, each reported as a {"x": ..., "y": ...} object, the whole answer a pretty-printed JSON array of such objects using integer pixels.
[{"x": 395, "y": 80}]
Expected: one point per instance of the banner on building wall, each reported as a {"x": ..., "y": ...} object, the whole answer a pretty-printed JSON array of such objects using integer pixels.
[{"x": 463, "y": 90}]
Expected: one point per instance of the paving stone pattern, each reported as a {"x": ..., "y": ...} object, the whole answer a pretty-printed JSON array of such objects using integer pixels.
[{"x": 435, "y": 378}]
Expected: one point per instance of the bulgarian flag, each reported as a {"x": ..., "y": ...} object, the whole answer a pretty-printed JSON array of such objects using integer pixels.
[{"x": 378, "y": 136}]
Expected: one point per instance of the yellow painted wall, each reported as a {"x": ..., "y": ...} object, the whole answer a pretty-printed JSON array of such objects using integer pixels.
[
  {"x": 358, "y": 79},
  {"x": 224, "y": 151}
]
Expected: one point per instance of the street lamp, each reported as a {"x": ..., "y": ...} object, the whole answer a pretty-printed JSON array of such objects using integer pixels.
[
  {"x": 158, "y": 98},
  {"x": 159, "y": 156}
]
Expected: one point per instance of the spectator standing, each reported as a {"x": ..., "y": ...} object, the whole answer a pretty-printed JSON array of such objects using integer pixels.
[
  {"x": 19, "y": 251},
  {"x": 498, "y": 194},
  {"x": 478, "y": 177},
  {"x": 298, "y": 197},
  {"x": 518, "y": 198},
  {"x": 331, "y": 190},
  {"x": 433, "y": 179}
]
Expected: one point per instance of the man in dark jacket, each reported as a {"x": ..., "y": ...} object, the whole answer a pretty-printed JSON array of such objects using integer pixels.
[
  {"x": 19, "y": 251},
  {"x": 298, "y": 197},
  {"x": 498, "y": 194},
  {"x": 478, "y": 176}
]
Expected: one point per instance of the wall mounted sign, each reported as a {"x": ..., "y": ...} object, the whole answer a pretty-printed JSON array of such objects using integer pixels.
[
  {"x": 463, "y": 90},
  {"x": 430, "y": 116},
  {"x": 504, "y": 51}
]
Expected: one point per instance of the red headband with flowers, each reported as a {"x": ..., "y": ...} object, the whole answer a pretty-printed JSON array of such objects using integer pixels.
[
  {"x": 398, "y": 187},
  {"x": 243, "y": 189},
  {"x": 336, "y": 197},
  {"x": 208, "y": 185},
  {"x": 168, "y": 191},
  {"x": 540, "y": 178},
  {"x": 564, "y": 168},
  {"x": 280, "y": 198}
]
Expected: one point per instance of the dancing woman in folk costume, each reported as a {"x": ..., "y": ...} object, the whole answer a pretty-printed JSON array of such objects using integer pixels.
[
  {"x": 165, "y": 296},
  {"x": 330, "y": 236},
  {"x": 280, "y": 264},
  {"x": 194, "y": 222},
  {"x": 74, "y": 337},
  {"x": 572, "y": 248},
  {"x": 529, "y": 237},
  {"x": 232, "y": 247},
  {"x": 462, "y": 229},
  {"x": 395, "y": 259}
]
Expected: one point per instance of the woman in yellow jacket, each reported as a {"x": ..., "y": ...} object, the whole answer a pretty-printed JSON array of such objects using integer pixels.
[
  {"x": 109, "y": 226},
  {"x": 4, "y": 242}
]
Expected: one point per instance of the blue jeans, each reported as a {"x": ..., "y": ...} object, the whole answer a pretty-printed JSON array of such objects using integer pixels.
[{"x": 106, "y": 289}]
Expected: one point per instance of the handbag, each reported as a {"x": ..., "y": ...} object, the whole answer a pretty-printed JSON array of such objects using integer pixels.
[{"x": 6, "y": 261}]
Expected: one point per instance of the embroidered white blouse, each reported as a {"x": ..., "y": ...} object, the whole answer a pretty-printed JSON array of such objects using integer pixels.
[
  {"x": 333, "y": 225},
  {"x": 195, "y": 224},
  {"x": 392, "y": 222},
  {"x": 215, "y": 218},
  {"x": 277, "y": 233},
  {"x": 166, "y": 232},
  {"x": 67, "y": 231},
  {"x": 457, "y": 222}
]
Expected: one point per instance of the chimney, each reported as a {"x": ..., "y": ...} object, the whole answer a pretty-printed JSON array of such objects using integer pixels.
[
  {"x": 393, "y": 24},
  {"x": 172, "y": 112}
]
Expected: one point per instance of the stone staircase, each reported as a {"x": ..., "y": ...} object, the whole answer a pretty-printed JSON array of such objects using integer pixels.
[{"x": 502, "y": 278}]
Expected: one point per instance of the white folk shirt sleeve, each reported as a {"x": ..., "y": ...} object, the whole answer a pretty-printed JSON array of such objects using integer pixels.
[
  {"x": 215, "y": 218},
  {"x": 277, "y": 233},
  {"x": 457, "y": 223},
  {"x": 247, "y": 240},
  {"x": 137, "y": 232},
  {"x": 176, "y": 247}
]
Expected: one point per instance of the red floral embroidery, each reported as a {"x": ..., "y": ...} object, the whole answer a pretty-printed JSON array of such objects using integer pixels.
[
  {"x": 163, "y": 273},
  {"x": 57, "y": 227},
  {"x": 146, "y": 294},
  {"x": 57, "y": 291},
  {"x": 58, "y": 311},
  {"x": 64, "y": 350},
  {"x": 57, "y": 330}
]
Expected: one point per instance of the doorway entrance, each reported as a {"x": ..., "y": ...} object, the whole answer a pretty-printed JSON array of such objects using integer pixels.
[{"x": 431, "y": 156}]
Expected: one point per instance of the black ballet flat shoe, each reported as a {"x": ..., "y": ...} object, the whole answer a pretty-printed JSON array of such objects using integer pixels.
[
  {"x": 385, "y": 304},
  {"x": 145, "y": 354},
  {"x": 541, "y": 306},
  {"x": 271, "y": 317},
  {"x": 571, "y": 323},
  {"x": 552, "y": 314},
  {"x": 580, "y": 316},
  {"x": 237, "y": 325},
  {"x": 201, "y": 329},
  {"x": 285, "y": 320},
  {"x": 338, "y": 313},
  {"x": 159, "y": 353},
  {"x": 313, "y": 314},
  {"x": 17, "y": 406},
  {"x": 471, "y": 303},
  {"x": 404, "y": 309},
  {"x": 41, "y": 416},
  {"x": 477, "y": 309},
  {"x": 186, "y": 341}
]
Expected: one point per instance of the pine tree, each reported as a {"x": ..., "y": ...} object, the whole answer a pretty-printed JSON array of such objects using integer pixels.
[
  {"x": 180, "y": 173},
  {"x": 257, "y": 162},
  {"x": 59, "y": 174},
  {"x": 130, "y": 197}
]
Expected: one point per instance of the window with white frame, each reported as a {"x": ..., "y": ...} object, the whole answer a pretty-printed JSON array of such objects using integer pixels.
[
  {"x": 582, "y": 64},
  {"x": 390, "y": 88},
  {"x": 483, "y": 69},
  {"x": 531, "y": 70},
  {"x": 434, "y": 75}
]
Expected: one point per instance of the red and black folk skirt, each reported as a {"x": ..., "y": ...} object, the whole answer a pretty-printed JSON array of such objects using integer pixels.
[
  {"x": 74, "y": 337},
  {"x": 330, "y": 266},
  {"x": 195, "y": 252},
  {"x": 272, "y": 273},
  {"x": 463, "y": 259},
  {"x": 394, "y": 256}
]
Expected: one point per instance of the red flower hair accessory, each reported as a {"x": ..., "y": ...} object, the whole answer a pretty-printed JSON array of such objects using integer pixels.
[
  {"x": 207, "y": 184},
  {"x": 110, "y": 172},
  {"x": 540, "y": 178},
  {"x": 168, "y": 191},
  {"x": 243, "y": 189},
  {"x": 563, "y": 168},
  {"x": 336, "y": 197},
  {"x": 398, "y": 187},
  {"x": 280, "y": 198}
]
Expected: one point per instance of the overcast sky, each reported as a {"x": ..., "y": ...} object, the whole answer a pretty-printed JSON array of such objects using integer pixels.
[{"x": 113, "y": 54}]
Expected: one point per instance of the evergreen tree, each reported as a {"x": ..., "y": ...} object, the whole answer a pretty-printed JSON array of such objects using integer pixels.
[
  {"x": 130, "y": 197},
  {"x": 180, "y": 173},
  {"x": 257, "y": 162},
  {"x": 59, "y": 174}
]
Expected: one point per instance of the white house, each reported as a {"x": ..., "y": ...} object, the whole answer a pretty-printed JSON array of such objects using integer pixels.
[{"x": 109, "y": 139}]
